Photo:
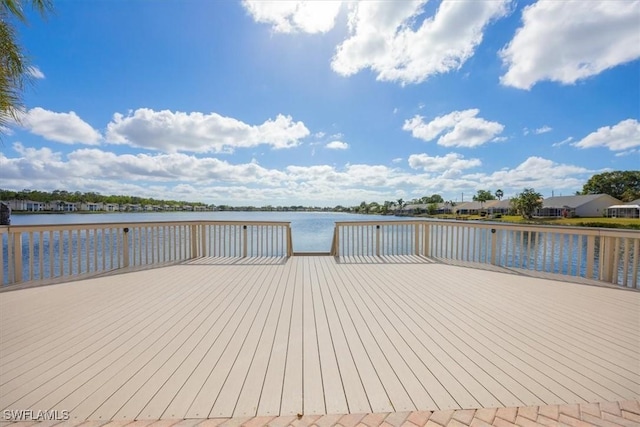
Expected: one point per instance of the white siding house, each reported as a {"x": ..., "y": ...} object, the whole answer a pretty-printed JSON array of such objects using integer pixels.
[
  {"x": 590, "y": 205},
  {"x": 627, "y": 210}
]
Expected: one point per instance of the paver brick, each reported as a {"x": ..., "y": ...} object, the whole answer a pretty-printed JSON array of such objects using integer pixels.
[
  {"x": 256, "y": 422},
  {"x": 530, "y": 412},
  {"x": 396, "y": 419},
  {"x": 328, "y": 420},
  {"x": 464, "y": 416},
  {"x": 477, "y": 422},
  {"x": 508, "y": 414},
  {"x": 547, "y": 421},
  {"x": 619, "y": 420},
  {"x": 281, "y": 421},
  {"x": 590, "y": 408},
  {"x": 501, "y": 422},
  {"x": 455, "y": 423},
  {"x": 419, "y": 418},
  {"x": 351, "y": 420},
  {"x": 525, "y": 422},
  {"x": 572, "y": 410},
  {"x": 631, "y": 416},
  {"x": 441, "y": 417},
  {"x": 374, "y": 419},
  {"x": 549, "y": 411},
  {"x": 573, "y": 422},
  {"x": 119, "y": 423},
  {"x": 212, "y": 422},
  {"x": 595, "y": 421},
  {"x": 630, "y": 406},
  {"x": 486, "y": 414},
  {"x": 304, "y": 421},
  {"x": 164, "y": 423},
  {"x": 610, "y": 407}
]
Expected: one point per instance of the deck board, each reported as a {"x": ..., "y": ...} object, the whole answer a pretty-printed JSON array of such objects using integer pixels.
[{"x": 221, "y": 337}]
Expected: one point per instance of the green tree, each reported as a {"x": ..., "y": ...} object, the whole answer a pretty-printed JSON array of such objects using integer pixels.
[
  {"x": 483, "y": 195},
  {"x": 432, "y": 208},
  {"x": 623, "y": 185},
  {"x": 527, "y": 202},
  {"x": 15, "y": 69}
]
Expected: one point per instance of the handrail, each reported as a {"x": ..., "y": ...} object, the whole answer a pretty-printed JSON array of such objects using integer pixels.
[
  {"x": 39, "y": 252},
  {"x": 610, "y": 255}
]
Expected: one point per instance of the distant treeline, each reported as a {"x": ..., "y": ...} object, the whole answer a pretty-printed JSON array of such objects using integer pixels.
[{"x": 89, "y": 197}]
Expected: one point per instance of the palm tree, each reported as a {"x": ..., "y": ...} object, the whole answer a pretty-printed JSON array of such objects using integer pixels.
[
  {"x": 499, "y": 194},
  {"x": 15, "y": 71}
]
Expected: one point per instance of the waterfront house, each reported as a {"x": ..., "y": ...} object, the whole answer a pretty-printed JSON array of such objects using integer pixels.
[
  {"x": 91, "y": 207},
  {"x": 502, "y": 207},
  {"x": 111, "y": 207},
  {"x": 589, "y": 205},
  {"x": 469, "y": 208},
  {"x": 26, "y": 205},
  {"x": 627, "y": 210}
]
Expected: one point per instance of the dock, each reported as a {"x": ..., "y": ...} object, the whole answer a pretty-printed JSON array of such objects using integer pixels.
[{"x": 322, "y": 340}]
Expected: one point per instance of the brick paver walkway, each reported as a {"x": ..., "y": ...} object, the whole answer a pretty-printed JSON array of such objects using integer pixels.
[{"x": 605, "y": 414}]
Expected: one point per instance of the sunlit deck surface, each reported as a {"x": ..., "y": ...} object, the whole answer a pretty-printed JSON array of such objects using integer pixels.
[{"x": 311, "y": 335}]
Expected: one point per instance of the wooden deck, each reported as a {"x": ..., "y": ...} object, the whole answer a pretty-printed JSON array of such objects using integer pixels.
[{"x": 309, "y": 335}]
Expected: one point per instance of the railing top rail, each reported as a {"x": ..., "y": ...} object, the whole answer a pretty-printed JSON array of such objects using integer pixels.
[
  {"x": 594, "y": 231},
  {"x": 381, "y": 222},
  {"x": 75, "y": 226}
]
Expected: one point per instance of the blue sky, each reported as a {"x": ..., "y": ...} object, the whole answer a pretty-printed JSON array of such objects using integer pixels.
[{"x": 326, "y": 103}]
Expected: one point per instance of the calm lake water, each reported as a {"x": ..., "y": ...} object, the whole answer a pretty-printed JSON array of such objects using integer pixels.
[{"x": 311, "y": 231}]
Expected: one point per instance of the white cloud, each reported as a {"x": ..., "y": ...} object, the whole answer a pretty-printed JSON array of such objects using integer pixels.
[
  {"x": 197, "y": 132},
  {"x": 35, "y": 72},
  {"x": 397, "y": 160},
  {"x": 186, "y": 177},
  {"x": 337, "y": 145},
  {"x": 457, "y": 129},
  {"x": 543, "y": 129},
  {"x": 566, "y": 41},
  {"x": 451, "y": 161},
  {"x": 563, "y": 142},
  {"x": 67, "y": 128},
  {"x": 382, "y": 37},
  {"x": 535, "y": 172},
  {"x": 295, "y": 16},
  {"x": 623, "y": 136}
]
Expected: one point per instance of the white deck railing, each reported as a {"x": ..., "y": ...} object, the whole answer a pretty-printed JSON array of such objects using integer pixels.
[
  {"x": 609, "y": 255},
  {"x": 44, "y": 252}
]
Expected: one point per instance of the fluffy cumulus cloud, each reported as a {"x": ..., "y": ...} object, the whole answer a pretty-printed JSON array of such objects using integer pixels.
[
  {"x": 396, "y": 40},
  {"x": 197, "y": 132},
  {"x": 536, "y": 172},
  {"x": 337, "y": 145},
  {"x": 451, "y": 161},
  {"x": 623, "y": 136},
  {"x": 295, "y": 16},
  {"x": 456, "y": 129},
  {"x": 187, "y": 177},
  {"x": 565, "y": 41},
  {"x": 67, "y": 128}
]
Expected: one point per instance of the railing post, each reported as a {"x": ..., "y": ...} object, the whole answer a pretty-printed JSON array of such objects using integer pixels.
[
  {"x": 378, "y": 240},
  {"x": 289, "y": 241},
  {"x": 194, "y": 241},
  {"x": 607, "y": 251},
  {"x": 244, "y": 241},
  {"x": 17, "y": 257},
  {"x": 203, "y": 240},
  {"x": 591, "y": 256},
  {"x": 494, "y": 246},
  {"x": 425, "y": 243},
  {"x": 125, "y": 247},
  {"x": 416, "y": 240}
]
